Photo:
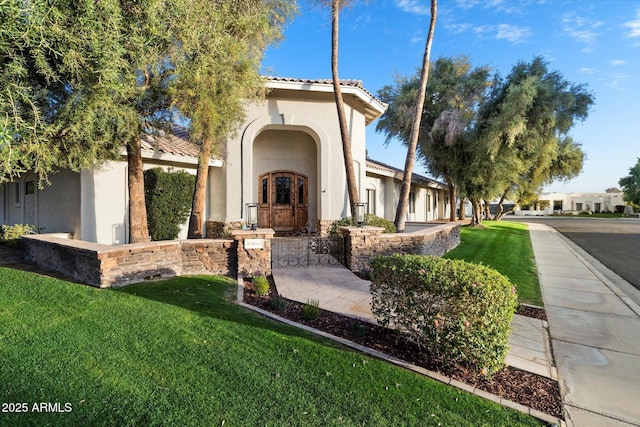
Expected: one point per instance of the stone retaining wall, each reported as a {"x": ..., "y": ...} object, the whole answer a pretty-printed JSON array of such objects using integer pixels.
[
  {"x": 105, "y": 266},
  {"x": 365, "y": 243},
  {"x": 247, "y": 252}
]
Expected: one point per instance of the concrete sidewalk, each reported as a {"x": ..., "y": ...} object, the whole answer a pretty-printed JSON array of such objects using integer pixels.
[{"x": 594, "y": 326}]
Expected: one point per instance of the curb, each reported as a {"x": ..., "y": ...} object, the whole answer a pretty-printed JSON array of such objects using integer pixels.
[
  {"x": 598, "y": 269},
  {"x": 399, "y": 362}
]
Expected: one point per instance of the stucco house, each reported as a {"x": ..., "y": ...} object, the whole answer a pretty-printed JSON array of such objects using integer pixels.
[{"x": 286, "y": 156}]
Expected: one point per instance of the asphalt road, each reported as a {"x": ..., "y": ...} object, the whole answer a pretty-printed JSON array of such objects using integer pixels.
[{"x": 614, "y": 242}]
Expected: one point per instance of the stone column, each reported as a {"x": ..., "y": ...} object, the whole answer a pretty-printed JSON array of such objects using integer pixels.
[
  {"x": 254, "y": 250},
  {"x": 361, "y": 244}
]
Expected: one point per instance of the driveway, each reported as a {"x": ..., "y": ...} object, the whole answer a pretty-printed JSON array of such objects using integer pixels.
[{"x": 614, "y": 242}]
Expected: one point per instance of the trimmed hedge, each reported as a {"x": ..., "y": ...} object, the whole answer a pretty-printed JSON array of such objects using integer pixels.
[
  {"x": 168, "y": 197},
  {"x": 458, "y": 311},
  {"x": 369, "y": 219}
]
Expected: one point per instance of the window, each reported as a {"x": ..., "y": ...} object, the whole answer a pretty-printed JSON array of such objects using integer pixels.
[
  {"x": 578, "y": 206},
  {"x": 371, "y": 202},
  {"x": 29, "y": 187},
  {"x": 265, "y": 190},
  {"x": 283, "y": 190},
  {"x": 16, "y": 192},
  {"x": 301, "y": 190},
  {"x": 597, "y": 207},
  {"x": 412, "y": 203}
]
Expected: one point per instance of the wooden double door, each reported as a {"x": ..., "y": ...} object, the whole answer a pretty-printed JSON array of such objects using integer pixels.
[{"x": 284, "y": 204}]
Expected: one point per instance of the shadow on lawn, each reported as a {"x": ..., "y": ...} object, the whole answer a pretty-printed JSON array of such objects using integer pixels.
[{"x": 208, "y": 296}]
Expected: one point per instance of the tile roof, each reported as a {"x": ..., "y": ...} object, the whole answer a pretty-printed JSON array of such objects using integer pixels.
[
  {"x": 347, "y": 83},
  {"x": 343, "y": 82},
  {"x": 414, "y": 176},
  {"x": 176, "y": 142}
]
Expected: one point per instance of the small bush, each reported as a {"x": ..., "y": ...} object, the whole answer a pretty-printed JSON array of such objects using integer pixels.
[
  {"x": 261, "y": 285},
  {"x": 168, "y": 197},
  {"x": 278, "y": 303},
  {"x": 11, "y": 233},
  {"x": 311, "y": 310},
  {"x": 372, "y": 220},
  {"x": 457, "y": 311}
]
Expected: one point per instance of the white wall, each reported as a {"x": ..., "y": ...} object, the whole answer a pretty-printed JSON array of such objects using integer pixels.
[
  {"x": 54, "y": 208},
  {"x": 313, "y": 114}
]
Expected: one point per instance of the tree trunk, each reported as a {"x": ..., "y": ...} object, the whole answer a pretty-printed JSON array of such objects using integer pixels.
[
  {"x": 352, "y": 188},
  {"x": 499, "y": 214},
  {"x": 403, "y": 202},
  {"x": 452, "y": 202},
  {"x": 487, "y": 211},
  {"x": 200, "y": 192},
  {"x": 476, "y": 215},
  {"x": 462, "y": 213},
  {"x": 138, "y": 229}
]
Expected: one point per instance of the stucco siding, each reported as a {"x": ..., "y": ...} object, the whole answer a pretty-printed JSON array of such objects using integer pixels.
[
  {"x": 311, "y": 114},
  {"x": 59, "y": 211}
]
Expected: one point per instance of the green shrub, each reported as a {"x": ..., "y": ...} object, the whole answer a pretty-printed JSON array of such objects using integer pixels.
[
  {"x": 278, "y": 303},
  {"x": 457, "y": 311},
  {"x": 168, "y": 197},
  {"x": 11, "y": 233},
  {"x": 311, "y": 310},
  {"x": 372, "y": 220},
  {"x": 260, "y": 285}
]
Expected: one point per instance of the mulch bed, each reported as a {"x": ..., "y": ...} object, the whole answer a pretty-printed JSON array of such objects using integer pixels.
[{"x": 534, "y": 391}]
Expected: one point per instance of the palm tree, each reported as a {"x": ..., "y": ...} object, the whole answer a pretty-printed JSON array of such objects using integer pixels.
[
  {"x": 352, "y": 189},
  {"x": 403, "y": 202}
]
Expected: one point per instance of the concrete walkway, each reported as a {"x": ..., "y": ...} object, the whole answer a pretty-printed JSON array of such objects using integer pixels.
[
  {"x": 595, "y": 332},
  {"x": 339, "y": 290},
  {"x": 593, "y": 327}
]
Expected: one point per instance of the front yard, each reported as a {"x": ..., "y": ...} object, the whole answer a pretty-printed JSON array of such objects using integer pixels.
[
  {"x": 506, "y": 247},
  {"x": 178, "y": 352}
]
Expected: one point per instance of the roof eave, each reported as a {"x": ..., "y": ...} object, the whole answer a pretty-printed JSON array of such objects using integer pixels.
[{"x": 373, "y": 107}]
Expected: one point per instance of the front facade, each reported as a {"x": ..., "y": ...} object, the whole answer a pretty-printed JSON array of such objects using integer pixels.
[
  {"x": 286, "y": 157},
  {"x": 428, "y": 199}
]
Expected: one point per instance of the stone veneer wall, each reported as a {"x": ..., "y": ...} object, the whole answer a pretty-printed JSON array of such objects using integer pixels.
[
  {"x": 105, "y": 266},
  {"x": 365, "y": 243},
  {"x": 254, "y": 259},
  {"x": 221, "y": 229}
]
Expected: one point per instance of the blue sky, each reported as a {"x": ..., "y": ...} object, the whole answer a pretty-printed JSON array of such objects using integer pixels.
[{"x": 595, "y": 42}]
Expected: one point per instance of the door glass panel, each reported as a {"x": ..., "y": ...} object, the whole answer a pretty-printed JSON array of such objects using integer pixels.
[
  {"x": 301, "y": 190},
  {"x": 265, "y": 188},
  {"x": 283, "y": 190}
]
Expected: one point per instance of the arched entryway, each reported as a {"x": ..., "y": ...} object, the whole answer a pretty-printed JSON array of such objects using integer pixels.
[{"x": 284, "y": 201}]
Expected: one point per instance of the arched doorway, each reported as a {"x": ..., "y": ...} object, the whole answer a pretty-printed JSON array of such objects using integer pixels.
[{"x": 284, "y": 204}]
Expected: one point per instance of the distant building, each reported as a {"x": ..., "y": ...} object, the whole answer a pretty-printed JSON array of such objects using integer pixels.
[{"x": 574, "y": 203}]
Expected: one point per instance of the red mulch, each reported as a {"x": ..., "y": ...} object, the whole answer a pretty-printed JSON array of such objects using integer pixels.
[{"x": 534, "y": 391}]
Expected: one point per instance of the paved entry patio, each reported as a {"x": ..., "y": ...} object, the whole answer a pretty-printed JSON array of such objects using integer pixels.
[{"x": 339, "y": 290}]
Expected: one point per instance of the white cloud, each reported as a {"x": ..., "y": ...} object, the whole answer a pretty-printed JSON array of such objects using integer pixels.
[
  {"x": 588, "y": 71},
  {"x": 580, "y": 28},
  {"x": 497, "y": 5},
  {"x": 616, "y": 81},
  {"x": 618, "y": 62},
  {"x": 513, "y": 33},
  {"x": 634, "y": 26},
  {"x": 458, "y": 28},
  {"x": 414, "y": 6}
]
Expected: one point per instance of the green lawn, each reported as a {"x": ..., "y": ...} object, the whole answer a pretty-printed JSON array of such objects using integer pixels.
[
  {"x": 178, "y": 352},
  {"x": 505, "y": 246}
]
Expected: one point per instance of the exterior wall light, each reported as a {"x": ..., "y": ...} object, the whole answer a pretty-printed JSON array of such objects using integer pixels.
[
  {"x": 252, "y": 216},
  {"x": 361, "y": 209}
]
